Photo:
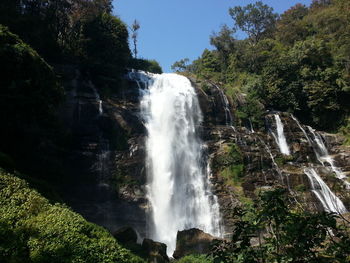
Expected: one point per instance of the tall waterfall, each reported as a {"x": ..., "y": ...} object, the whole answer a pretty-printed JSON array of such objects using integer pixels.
[
  {"x": 178, "y": 186},
  {"x": 280, "y": 138},
  {"x": 329, "y": 201}
]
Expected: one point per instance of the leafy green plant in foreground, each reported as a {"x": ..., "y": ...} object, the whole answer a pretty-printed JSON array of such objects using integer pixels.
[
  {"x": 33, "y": 230},
  {"x": 276, "y": 233}
]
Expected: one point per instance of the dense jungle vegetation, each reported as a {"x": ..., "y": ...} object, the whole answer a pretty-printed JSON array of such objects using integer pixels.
[
  {"x": 36, "y": 37},
  {"x": 297, "y": 61}
]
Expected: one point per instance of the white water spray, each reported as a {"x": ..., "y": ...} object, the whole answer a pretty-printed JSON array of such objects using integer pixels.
[
  {"x": 324, "y": 157},
  {"x": 178, "y": 185},
  {"x": 329, "y": 201},
  {"x": 280, "y": 138}
]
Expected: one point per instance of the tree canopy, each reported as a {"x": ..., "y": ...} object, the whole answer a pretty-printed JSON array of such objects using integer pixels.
[{"x": 297, "y": 62}]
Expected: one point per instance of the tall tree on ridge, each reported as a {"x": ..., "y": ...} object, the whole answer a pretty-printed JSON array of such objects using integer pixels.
[
  {"x": 254, "y": 19},
  {"x": 134, "y": 29}
]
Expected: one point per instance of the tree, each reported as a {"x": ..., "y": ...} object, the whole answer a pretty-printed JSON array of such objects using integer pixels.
[
  {"x": 180, "y": 65},
  {"x": 289, "y": 26},
  {"x": 107, "y": 49},
  {"x": 283, "y": 234},
  {"x": 209, "y": 65},
  {"x": 254, "y": 19},
  {"x": 223, "y": 42},
  {"x": 134, "y": 29}
]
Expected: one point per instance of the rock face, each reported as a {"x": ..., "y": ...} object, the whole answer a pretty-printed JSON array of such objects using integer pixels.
[
  {"x": 105, "y": 163},
  {"x": 245, "y": 162},
  {"x": 192, "y": 241},
  {"x": 126, "y": 235},
  {"x": 155, "y": 251},
  {"x": 105, "y": 168}
]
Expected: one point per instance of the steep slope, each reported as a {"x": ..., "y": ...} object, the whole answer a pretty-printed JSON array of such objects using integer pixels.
[{"x": 33, "y": 230}]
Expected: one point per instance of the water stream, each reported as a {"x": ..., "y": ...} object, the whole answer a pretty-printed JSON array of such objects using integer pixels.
[
  {"x": 279, "y": 137},
  {"x": 226, "y": 105},
  {"x": 323, "y": 156},
  {"x": 329, "y": 201},
  {"x": 178, "y": 179}
]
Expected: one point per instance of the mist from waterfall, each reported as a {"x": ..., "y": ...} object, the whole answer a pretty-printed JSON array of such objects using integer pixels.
[
  {"x": 279, "y": 137},
  {"x": 178, "y": 185},
  {"x": 329, "y": 201}
]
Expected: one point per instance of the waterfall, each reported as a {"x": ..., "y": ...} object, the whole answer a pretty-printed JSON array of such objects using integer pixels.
[
  {"x": 100, "y": 109},
  {"x": 251, "y": 126},
  {"x": 329, "y": 201},
  {"x": 323, "y": 156},
  {"x": 280, "y": 138},
  {"x": 274, "y": 162},
  {"x": 226, "y": 104},
  {"x": 302, "y": 129},
  {"x": 178, "y": 180}
]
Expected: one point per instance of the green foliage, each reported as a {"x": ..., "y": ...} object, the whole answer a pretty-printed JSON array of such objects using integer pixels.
[
  {"x": 300, "y": 188},
  {"x": 180, "y": 65},
  {"x": 208, "y": 66},
  {"x": 29, "y": 97},
  {"x": 149, "y": 65},
  {"x": 106, "y": 45},
  {"x": 134, "y": 29},
  {"x": 53, "y": 28},
  {"x": 289, "y": 26},
  {"x": 281, "y": 160},
  {"x": 224, "y": 44},
  {"x": 230, "y": 163},
  {"x": 283, "y": 234},
  {"x": 33, "y": 230},
  {"x": 254, "y": 19},
  {"x": 345, "y": 131},
  {"x": 299, "y": 63},
  {"x": 195, "y": 259}
]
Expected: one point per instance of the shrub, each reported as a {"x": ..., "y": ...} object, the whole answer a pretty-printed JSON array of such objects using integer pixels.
[{"x": 33, "y": 230}]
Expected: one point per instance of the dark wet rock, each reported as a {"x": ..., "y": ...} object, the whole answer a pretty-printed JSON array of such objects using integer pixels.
[
  {"x": 106, "y": 172},
  {"x": 155, "y": 252},
  {"x": 126, "y": 235},
  {"x": 193, "y": 241}
]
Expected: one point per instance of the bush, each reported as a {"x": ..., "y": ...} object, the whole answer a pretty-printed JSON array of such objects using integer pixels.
[
  {"x": 195, "y": 259},
  {"x": 106, "y": 47},
  {"x": 29, "y": 98},
  {"x": 33, "y": 230},
  {"x": 146, "y": 65}
]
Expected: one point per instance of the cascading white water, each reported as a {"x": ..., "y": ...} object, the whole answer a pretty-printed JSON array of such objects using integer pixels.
[
  {"x": 100, "y": 108},
  {"x": 329, "y": 201},
  {"x": 280, "y": 138},
  {"x": 324, "y": 157},
  {"x": 178, "y": 186},
  {"x": 226, "y": 104},
  {"x": 251, "y": 126},
  {"x": 274, "y": 162},
  {"x": 302, "y": 129}
]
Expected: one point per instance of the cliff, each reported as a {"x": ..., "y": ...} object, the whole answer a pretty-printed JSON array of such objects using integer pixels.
[{"x": 106, "y": 166}]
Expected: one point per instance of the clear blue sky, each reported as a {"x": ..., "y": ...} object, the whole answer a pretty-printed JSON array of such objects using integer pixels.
[{"x": 175, "y": 29}]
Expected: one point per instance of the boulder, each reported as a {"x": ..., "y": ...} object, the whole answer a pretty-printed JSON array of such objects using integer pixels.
[
  {"x": 155, "y": 252},
  {"x": 126, "y": 235},
  {"x": 192, "y": 241}
]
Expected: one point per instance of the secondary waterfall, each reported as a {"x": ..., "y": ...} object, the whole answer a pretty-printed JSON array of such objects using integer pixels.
[
  {"x": 178, "y": 178},
  {"x": 329, "y": 201},
  {"x": 324, "y": 157},
  {"x": 280, "y": 138},
  {"x": 226, "y": 105}
]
